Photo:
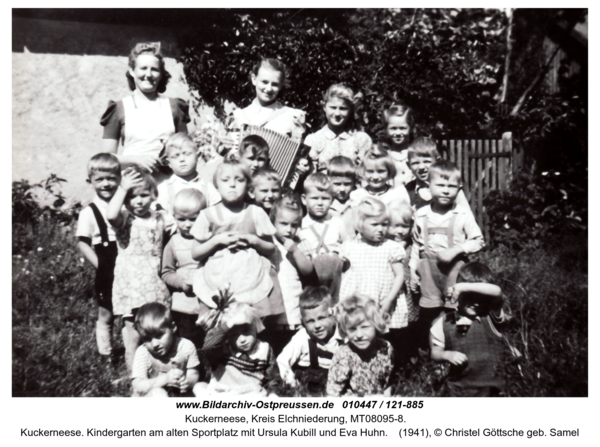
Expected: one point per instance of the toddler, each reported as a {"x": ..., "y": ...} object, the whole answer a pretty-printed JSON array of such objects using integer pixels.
[
  {"x": 376, "y": 268},
  {"x": 398, "y": 124},
  {"x": 182, "y": 155},
  {"x": 467, "y": 338},
  {"x": 401, "y": 336},
  {"x": 140, "y": 231},
  {"x": 363, "y": 366},
  {"x": 234, "y": 241},
  {"x": 378, "y": 169},
  {"x": 308, "y": 354},
  {"x": 164, "y": 365},
  {"x": 97, "y": 241},
  {"x": 178, "y": 266},
  {"x": 322, "y": 233},
  {"x": 342, "y": 172},
  {"x": 444, "y": 233},
  {"x": 266, "y": 188},
  {"x": 422, "y": 153},
  {"x": 342, "y": 134},
  {"x": 290, "y": 262},
  {"x": 239, "y": 361}
]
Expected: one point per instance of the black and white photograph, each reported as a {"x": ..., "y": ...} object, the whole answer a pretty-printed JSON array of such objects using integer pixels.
[{"x": 300, "y": 203}]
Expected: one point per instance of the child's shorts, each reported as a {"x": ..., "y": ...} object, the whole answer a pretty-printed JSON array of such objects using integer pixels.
[
  {"x": 105, "y": 275},
  {"x": 435, "y": 278},
  {"x": 329, "y": 270}
]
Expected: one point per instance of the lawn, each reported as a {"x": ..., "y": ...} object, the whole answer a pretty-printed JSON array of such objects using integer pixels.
[{"x": 54, "y": 315}]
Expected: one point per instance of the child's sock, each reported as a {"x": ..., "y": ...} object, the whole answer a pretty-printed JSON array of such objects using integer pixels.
[{"x": 103, "y": 338}]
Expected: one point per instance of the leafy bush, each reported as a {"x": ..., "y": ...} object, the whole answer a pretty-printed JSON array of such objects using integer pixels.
[
  {"x": 444, "y": 62},
  {"x": 539, "y": 207}
]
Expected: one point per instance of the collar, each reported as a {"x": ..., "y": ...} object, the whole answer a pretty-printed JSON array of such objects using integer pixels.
[
  {"x": 308, "y": 220},
  {"x": 101, "y": 204},
  {"x": 175, "y": 178},
  {"x": 426, "y": 210},
  {"x": 338, "y": 206},
  {"x": 331, "y": 135},
  {"x": 255, "y": 105}
]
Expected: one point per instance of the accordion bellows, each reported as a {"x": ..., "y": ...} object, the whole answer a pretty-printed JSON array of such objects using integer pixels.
[{"x": 282, "y": 149}]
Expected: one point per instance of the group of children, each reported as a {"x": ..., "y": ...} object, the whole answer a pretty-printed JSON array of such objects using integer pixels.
[{"x": 334, "y": 288}]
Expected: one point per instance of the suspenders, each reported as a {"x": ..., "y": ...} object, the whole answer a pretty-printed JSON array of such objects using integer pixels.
[
  {"x": 101, "y": 224},
  {"x": 320, "y": 238},
  {"x": 448, "y": 231},
  {"x": 314, "y": 353}
]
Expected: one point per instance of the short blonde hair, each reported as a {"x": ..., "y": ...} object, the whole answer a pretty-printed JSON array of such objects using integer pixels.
[
  {"x": 189, "y": 201},
  {"x": 351, "y": 309},
  {"x": 401, "y": 209},
  {"x": 368, "y": 207},
  {"x": 104, "y": 162},
  {"x": 318, "y": 181},
  {"x": 378, "y": 154},
  {"x": 445, "y": 169},
  {"x": 233, "y": 161},
  {"x": 178, "y": 140}
]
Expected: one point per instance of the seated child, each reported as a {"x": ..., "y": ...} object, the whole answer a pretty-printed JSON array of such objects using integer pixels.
[
  {"x": 444, "y": 233},
  {"x": 240, "y": 363},
  {"x": 178, "y": 267},
  {"x": 234, "y": 241},
  {"x": 342, "y": 172},
  {"x": 363, "y": 366},
  {"x": 165, "y": 364},
  {"x": 97, "y": 241},
  {"x": 289, "y": 261},
  {"x": 378, "y": 170},
  {"x": 308, "y": 354},
  {"x": 253, "y": 153},
  {"x": 322, "y": 233},
  {"x": 467, "y": 337},
  {"x": 182, "y": 155},
  {"x": 266, "y": 188},
  {"x": 422, "y": 153}
]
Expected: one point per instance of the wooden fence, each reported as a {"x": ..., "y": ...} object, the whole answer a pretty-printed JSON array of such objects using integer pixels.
[{"x": 485, "y": 165}]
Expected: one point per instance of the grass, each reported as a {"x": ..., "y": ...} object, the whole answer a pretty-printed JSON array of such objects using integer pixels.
[{"x": 54, "y": 314}]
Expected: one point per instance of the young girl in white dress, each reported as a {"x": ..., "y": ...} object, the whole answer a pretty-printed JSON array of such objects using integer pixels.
[{"x": 234, "y": 239}]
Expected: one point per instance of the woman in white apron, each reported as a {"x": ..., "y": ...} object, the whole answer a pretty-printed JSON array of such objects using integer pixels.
[{"x": 143, "y": 121}]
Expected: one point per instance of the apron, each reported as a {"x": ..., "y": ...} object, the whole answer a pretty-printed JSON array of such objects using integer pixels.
[
  {"x": 147, "y": 127},
  {"x": 437, "y": 276}
]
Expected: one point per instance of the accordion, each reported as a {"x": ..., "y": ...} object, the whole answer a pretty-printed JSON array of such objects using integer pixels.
[{"x": 283, "y": 150}]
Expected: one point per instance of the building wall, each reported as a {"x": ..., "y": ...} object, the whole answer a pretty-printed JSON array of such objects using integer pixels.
[{"x": 64, "y": 74}]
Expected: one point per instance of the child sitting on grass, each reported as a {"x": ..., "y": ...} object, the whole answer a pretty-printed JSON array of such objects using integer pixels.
[
  {"x": 178, "y": 266},
  {"x": 240, "y": 363},
  {"x": 97, "y": 241},
  {"x": 164, "y": 365},
  {"x": 308, "y": 354},
  {"x": 363, "y": 366},
  {"x": 467, "y": 337},
  {"x": 266, "y": 189},
  {"x": 182, "y": 154}
]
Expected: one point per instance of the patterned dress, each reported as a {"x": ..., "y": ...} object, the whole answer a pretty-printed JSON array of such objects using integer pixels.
[
  {"x": 137, "y": 270},
  {"x": 325, "y": 144},
  {"x": 371, "y": 274},
  {"x": 356, "y": 373}
]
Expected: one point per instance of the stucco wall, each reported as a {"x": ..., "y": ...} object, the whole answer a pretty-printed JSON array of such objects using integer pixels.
[{"x": 64, "y": 74}]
